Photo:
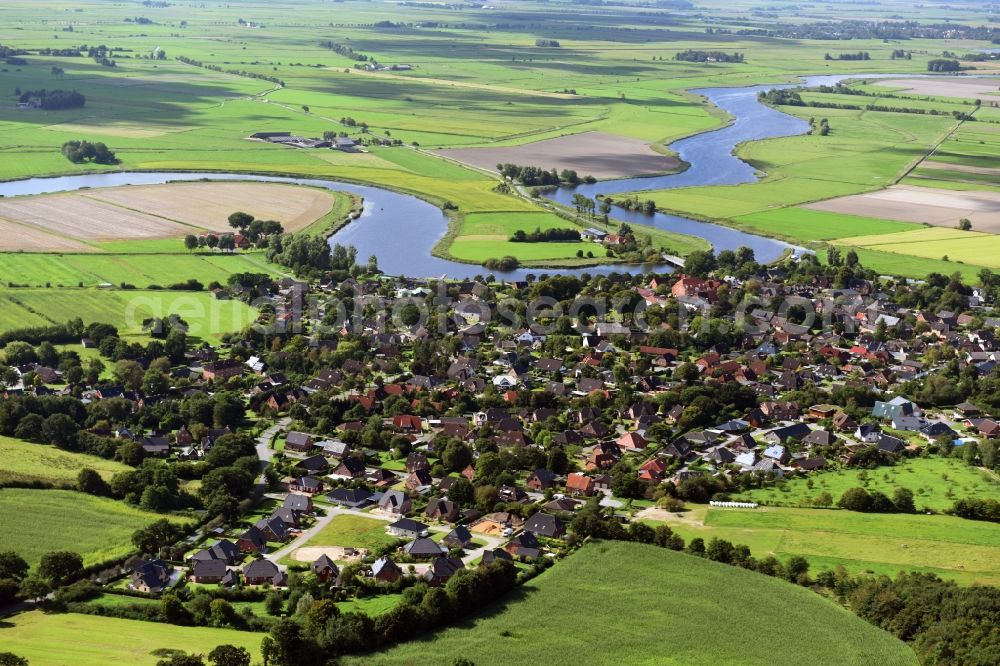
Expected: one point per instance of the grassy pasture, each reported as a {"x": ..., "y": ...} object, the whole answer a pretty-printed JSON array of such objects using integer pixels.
[
  {"x": 207, "y": 317},
  {"x": 963, "y": 550},
  {"x": 25, "y": 461},
  {"x": 664, "y": 607},
  {"x": 803, "y": 224},
  {"x": 936, "y": 484},
  {"x": 90, "y": 640},
  {"x": 36, "y": 522}
]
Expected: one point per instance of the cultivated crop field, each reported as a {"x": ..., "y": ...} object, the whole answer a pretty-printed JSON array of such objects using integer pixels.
[
  {"x": 933, "y": 206},
  {"x": 622, "y": 603},
  {"x": 596, "y": 154},
  {"x": 950, "y": 547},
  {"x": 151, "y": 211},
  {"x": 90, "y": 640},
  {"x": 36, "y": 522},
  {"x": 935, "y": 482},
  {"x": 26, "y": 461},
  {"x": 970, "y": 247}
]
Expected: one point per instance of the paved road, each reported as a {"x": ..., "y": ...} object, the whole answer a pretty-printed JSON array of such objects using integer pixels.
[{"x": 264, "y": 451}]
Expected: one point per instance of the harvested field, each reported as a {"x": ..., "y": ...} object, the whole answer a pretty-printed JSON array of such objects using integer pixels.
[
  {"x": 127, "y": 130},
  {"x": 589, "y": 154},
  {"x": 963, "y": 168},
  {"x": 945, "y": 86},
  {"x": 909, "y": 203},
  {"x": 68, "y": 221}
]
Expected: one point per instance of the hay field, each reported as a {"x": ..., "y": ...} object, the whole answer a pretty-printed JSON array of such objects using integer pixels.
[
  {"x": 594, "y": 154},
  {"x": 948, "y": 86},
  {"x": 909, "y": 203},
  {"x": 70, "y": 221}
]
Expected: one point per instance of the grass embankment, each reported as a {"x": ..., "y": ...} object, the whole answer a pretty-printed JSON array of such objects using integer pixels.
[
  {"x": 622, "y": 603},
  {"x": 90, "y": 640},
  {"x": 24, "y": 461},
  {"x": 35, "y": 522}
]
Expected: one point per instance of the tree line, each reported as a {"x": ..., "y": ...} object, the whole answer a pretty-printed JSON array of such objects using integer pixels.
[
  {"x": 53, "y": 99},
  {"x": 693, "y": 55},
  {"x": 547, "y": 236}
]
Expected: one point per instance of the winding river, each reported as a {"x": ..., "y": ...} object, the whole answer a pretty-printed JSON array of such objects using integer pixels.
[{"x": 401, "y": 229}]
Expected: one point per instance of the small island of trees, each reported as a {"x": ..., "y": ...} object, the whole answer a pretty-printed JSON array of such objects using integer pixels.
[{"x": 79, "y": 152}]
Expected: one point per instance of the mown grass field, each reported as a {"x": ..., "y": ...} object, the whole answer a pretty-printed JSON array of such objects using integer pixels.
[
  {"x": 803, "y": 224},
  {"x": 621, "y": 603},
  {"x": 25, "y": 461},
  {"x": 936, "y": 484},
  {"x": 963, "y": 550},
  {"x": 35, "y": 522},
  {"x": 207, "y": 317},
  {"x": 352, "y": 531},
  {"x": 90, "y": 640}
]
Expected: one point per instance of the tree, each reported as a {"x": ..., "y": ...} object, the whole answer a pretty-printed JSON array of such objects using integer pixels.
[
  {"x": 190, "y": 241},
  {"x": 240, "y": 220},
  {"x": 965, "y": 224},
  {"x": 90, "y": 482},
  {"x": 181, "y": 659},
  {"x": 60, "y": 566},
  {"x": 13, "y": 566},
  {"x": 855, "y": 499},
  {"x": 129, "y": 374},
  {"x": 700, "y": 263},
  {"x": 902, "y": 500},
  {"x": 461, "y": 492},
  {"x": 11, "y": 659},
  {"x": 273, "y": 603},
  {"x": 229, "y": 655},
  {"x": 34, "y": 587},
  {"x": 60, "y": 430}
]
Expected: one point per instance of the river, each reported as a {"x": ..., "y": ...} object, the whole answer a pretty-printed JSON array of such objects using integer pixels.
[{"x": 401, "y": 229}]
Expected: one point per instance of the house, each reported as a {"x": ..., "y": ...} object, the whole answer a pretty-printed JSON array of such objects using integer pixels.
[
  {"x": 299, "y": 442},
  {"x": 524, "y": 545},
  {"x": 325, "y": 568},
  {"x": 545, "y": 525},
  {"x": 151, "y": 576},
  {"x": 156, "y": 446},
  {"x": 632, "y": 441},
  {"x": 889, "y": 444},
  {"x": 385, "y": 570},
  {"x": 896, "y": 407},
  {"x": 263, "y": 572},
  {"x": 349, "y": 468},
  {"x": 224, "y": 550},
  {"x": 441, "y": 570},
  {"x": 252, "y": 541},
  {"x": 307, "y": 485},
  {"x": 442, "y": 510},
  {"x": 423, "y": 548},
  {"x": 405, "y": 527},
  {"x": 418, "y": 479},
  {"x": 273, "y": 528},
  {"x": 395, "y": 503},
  {"x": 298, "y": 503},
  {"x": 937, "y": 430},
  {"x": 820, "y": 438},
  {"x": 579, "y": 484},
  {"x": 353, "y": 498},
  {"x": 313, "y": 464},
  {"x": 208, "y": 571},
  {"x": 221, "y": 370},
  {"x": 843, "y": 423},
  {"x": 380, "y": 477},
  {"x": 541, "y": 480},
  {"x": 868, "y": 433},
  {"x": 416, "y": 461},
  {"x": 491, "y": 556},
  {"x": 795, "y": 431},
  {"x": 460, "y": 537}
]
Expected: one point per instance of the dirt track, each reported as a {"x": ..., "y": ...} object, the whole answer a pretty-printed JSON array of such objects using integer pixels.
[
  {"x": 589, "y": 154},
  {"x": 908, "y": 203}
]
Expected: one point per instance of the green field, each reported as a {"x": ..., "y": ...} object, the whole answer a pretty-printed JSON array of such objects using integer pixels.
[
  {"x": 621, "y": 603},
  {"x": 352, "y": 531},
  {"x": 967, "y": 247},
  {"x": 25, "y": 461},
  {"x": 963, "y": 550},
  {"x": 36, "y": 522},
  {"x": 207, "y": 317},
  {"x": 804, "y": 224},
  {"x": 90, "y": 640},
  {"x": 936, "y": 484}
]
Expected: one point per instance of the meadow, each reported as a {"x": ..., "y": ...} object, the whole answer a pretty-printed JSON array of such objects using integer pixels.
[
  {"x": 36, "y": 522},
  {"x": 26, "y": 461},
  {"x": 207, "y": 317},
  {"x": 953, "y": 548},
  {"x": 936, "y": 484},
  {"x": 90, "y": 640},
  {"x": 352, "y": 531},
  {"x": 625, "y": 603},
  {"x": 967, "y": 247}
]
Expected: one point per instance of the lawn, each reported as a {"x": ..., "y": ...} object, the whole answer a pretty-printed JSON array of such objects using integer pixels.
[
  {"x": 207, "y": 317},
  {"x": 36, "y": 522},
  {"x": 25, "y": 461},
  {"x": 622, "y": 603},
  {"x": 350, "y": 531},
  {"x": 90, "y": 640},
  {"x": 954, "y": 548},
  {"x": 936, "y": 484}
]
